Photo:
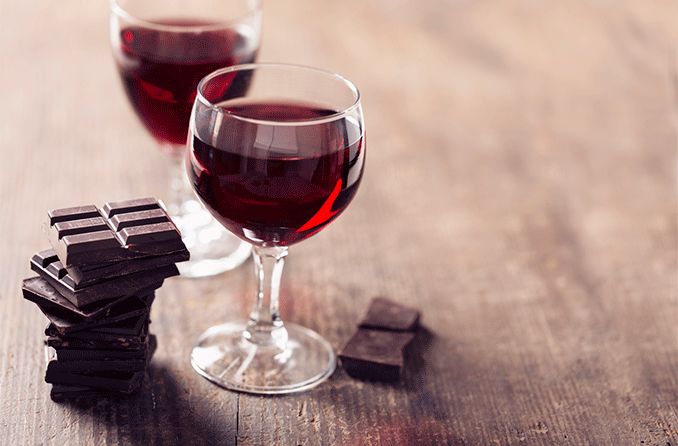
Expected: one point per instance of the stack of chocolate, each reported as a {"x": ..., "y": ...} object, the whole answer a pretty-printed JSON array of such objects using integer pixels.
[{"x": 96, "y": 286}]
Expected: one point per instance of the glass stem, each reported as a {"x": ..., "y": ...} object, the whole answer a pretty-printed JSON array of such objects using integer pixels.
[{"x": 265, "y": 328}]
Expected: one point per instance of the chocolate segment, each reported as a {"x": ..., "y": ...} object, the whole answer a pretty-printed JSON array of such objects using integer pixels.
[
  {"x": 72, "y": 213},
  {"x": 111, "y": 209},
  {"x": 375, "y": 354},
  {"x": 388, "y": 315},
  {"x": 80, "y": 226},
  {"x": 152, "y": 216}
]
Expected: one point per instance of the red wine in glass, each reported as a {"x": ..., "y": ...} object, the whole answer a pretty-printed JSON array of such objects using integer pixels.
[
  {"x": 275, "y": 185},
  {"x": 161, "y": 68}
]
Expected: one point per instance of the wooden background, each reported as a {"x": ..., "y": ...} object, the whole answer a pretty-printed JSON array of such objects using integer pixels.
[{"x": 520, "y": 190}]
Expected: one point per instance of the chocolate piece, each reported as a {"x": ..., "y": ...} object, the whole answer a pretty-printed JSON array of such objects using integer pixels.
[
  {"x": 90, "y": 339},
  {"x": 129, "y": 365},
  {"x": 388, "y": 315},
  {"x": 127, "y": 327},
  {"x": 134, "y": 229},
  {"x": 62, "y": 392},
  {"x": 121, "y": 343},
  {"x": 40, "y": 292},
  {"x": 130, "y": 328},
  {"x": 124, "y": 382},
  {"x": 50, "y": 268},
  {"x": 97, "y": 364},
  {"x": 85, "y": 276},
  {"x": 71, "y": 354},
  {"x": 375, "y": 354},
  {"x": 128, "y": 308}
]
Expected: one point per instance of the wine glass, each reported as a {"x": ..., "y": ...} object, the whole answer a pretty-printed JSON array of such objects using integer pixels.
[
  {"x": 275, "y": 152},
  {"x": 162, "y": 49}
]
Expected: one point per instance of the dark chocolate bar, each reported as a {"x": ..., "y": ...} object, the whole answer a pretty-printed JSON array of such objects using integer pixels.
[
  {"x": 85, "y": 276},
  {"x": 72, "y": 354},
  {"x": 135, "y": 327},
  {"x": 40, "y": 292},
  {"x": 48, "y": 266},
  {"x": 120, "y": 231},
  {"x": 123, "y": 382},
  {"x": 375, "y": 354},
  {"x": 388, "y": 315},
  {"x": 127, "y": 327},
  {"x": 97, "y": 364},
  {"x": 60, "y": 392},
  {"x": 121, "y": 343},
  {"x": 128, "y": 308},
  {"x": 128, "y": 365},
  {"x": 97, "y": 341}
]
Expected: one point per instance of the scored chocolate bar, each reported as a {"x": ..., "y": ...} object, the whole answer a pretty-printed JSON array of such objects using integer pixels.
[
  {"x": 40, "y": 292},
  {"x": 48, "y": 266},
  {"x": 119, "y": 231},
  {"x": 129, "y": 308}
]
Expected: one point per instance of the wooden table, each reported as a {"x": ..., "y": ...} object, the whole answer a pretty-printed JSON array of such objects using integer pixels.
[{"x": 520, "y": 190}]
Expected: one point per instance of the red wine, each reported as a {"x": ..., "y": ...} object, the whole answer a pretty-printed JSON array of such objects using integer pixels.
[
  {"x": 275, "y": 185},
  {"x": 161, "y": 68}
]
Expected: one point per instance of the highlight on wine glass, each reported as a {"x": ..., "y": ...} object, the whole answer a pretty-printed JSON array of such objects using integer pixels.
[
  {"x": 276, "y": 153},
  {"x": 162, "y": 49}
]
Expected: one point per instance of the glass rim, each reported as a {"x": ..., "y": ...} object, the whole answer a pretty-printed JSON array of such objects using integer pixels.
[
  {"x": 118, "y": 10},
  {"x": 253, "y": 66}
]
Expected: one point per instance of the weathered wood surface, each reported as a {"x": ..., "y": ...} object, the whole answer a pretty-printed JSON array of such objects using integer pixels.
[{"x": 520, "y": 189}]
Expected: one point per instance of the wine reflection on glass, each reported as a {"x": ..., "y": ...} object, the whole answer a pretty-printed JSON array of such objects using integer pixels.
[
  {"x": 162, "y": 49},
  {"x": 275, "y": 163}
]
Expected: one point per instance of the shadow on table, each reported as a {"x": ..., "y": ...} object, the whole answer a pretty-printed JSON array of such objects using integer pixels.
[{"x": 163, "y": 412}]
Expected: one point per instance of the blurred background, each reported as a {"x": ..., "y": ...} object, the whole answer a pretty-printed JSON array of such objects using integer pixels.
[{"x": 520, "y": 189}]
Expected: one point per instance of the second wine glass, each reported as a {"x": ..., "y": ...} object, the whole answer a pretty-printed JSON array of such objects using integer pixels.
[{"x": 162, "y": 49}]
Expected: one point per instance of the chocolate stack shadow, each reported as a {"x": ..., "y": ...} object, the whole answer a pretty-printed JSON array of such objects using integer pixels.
[{"x": 96, "y": 286}]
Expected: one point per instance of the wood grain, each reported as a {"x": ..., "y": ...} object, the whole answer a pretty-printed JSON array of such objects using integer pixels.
[{"x": 520, "y": 190}]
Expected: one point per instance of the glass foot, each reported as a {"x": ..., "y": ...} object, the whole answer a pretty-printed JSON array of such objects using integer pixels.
[
  {"x": 225, "y": 357},
  {"x": 213, "y": 249}
]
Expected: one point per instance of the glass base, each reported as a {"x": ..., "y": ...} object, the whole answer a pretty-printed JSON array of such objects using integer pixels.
[
  {"x": 213, "y": 249},
  {"x": 225, "y": 357}
]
